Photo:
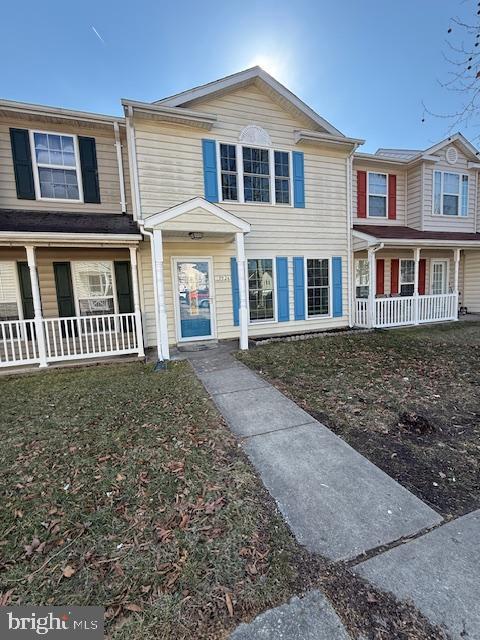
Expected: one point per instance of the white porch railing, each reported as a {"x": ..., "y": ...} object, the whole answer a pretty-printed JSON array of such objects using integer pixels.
[
  {"x": 73, "y": 338},
  {"x": 405, "y": 310}
]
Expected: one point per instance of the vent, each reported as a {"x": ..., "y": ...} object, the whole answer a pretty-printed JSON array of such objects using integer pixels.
[{"x": 451, "y": 155}]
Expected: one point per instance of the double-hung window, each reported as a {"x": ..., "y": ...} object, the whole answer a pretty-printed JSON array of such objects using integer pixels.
[
  {"x": 254, "y": 174},
  {"x": 407, "y": 277},
  {"x": 8, "y": 291},
  {"x": 362, "y": 278},
  {"x": 228, "y": 167},
  {"x": 56, "y": 164},
  {"x": 94, "y": 288},
  {"x": 450, "y": 194},
  {"x": 377, "y": 195},
  {"x": 318, "y": 286},
  {"x": 260, "y": 289}
]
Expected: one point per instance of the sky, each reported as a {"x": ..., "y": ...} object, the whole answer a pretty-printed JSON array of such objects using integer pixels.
[{"x": 364, "y": 65}]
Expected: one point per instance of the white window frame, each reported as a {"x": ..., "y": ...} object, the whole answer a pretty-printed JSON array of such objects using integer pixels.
[
  {"x": 240, "y": 185},
  {"x": 274, "y": 288},
  {"x": 330, "y": 288},
  {"x": 357, "y": 260},
  {"x": 444, "y": 193},
  {"x": 76, "y": 298},
  {"x": 18, "y": 294},
  {"x": 400, "y": 283},
  {"x": 36, "y": 165},
  {"x": 379, "y": 173}
]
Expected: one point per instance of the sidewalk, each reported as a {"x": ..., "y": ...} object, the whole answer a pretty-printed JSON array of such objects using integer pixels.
[{"x": 336, "y": 502}]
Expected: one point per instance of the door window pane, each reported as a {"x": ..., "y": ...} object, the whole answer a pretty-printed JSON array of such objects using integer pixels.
[{"x": 194, "y": 298}]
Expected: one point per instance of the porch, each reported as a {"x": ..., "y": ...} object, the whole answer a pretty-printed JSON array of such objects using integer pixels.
[
  {"x": 68, "y": 298},
  {"x": 401, "y": 280}
]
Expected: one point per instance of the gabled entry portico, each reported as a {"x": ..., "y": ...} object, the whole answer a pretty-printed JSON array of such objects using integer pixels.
[{"x": 201, "y": 226}]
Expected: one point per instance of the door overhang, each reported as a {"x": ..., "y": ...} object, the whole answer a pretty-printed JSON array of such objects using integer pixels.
[{"x": 197, "y": 216}]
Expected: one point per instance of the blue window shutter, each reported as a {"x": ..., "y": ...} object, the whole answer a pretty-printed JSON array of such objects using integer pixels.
[
  {"x": 337, "y": 286},
  {"x": 299, "y": 287},
  {"x": 235, "y": 291},
  {"x": 210, "y": 170},
  {"x": 282, "y": 289},
  {"x": 298, "y": 180}
]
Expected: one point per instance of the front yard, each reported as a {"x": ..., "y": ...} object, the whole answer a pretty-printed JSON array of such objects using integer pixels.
[
  {"x": 406, "y": 399},
  {"x": 123, "y": 488}
]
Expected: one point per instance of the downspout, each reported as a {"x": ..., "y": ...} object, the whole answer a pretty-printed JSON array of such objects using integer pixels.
[
  {"x": 132, "y": 154},
  {"x": 149, "y": 234},
  {"x": 349, "y": 234},
  {"x": 118, "y": 148}
]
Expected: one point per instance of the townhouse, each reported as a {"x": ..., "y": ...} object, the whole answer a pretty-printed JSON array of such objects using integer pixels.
[{"x": 231, "y": 210}]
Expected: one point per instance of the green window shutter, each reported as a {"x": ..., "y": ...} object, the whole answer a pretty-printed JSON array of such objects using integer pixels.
[
  {"x": 26, "y": 290},
  {"x": 88, "y": 162},
  {"x": 123, "y": 281},
  {"x": 22, "y": 164},
  {"x": 64, "y": 288}
]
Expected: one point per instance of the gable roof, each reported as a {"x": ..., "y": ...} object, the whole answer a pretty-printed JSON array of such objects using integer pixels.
[
  {"x": 254, "y": 75},
  {"x": 406, "y": 155}
]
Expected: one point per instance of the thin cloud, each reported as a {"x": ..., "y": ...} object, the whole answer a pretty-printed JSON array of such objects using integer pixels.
[{"x": 98, "y": 35}]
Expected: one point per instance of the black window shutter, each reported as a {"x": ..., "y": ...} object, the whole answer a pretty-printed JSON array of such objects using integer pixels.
[
  {"x": 123, "y": 280},
  {"x": 64, "y": 288},
  {"x": 22, "y": 163},
  {"x": 26, "y": 290},
  {"x": 88, "y": 162}
]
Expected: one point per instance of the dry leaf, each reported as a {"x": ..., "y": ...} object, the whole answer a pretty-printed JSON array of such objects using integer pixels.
[
  {"x": 68, "y": 572},
  {"x": 133, "y": 607},
  {"x": 228, "y": 601}
]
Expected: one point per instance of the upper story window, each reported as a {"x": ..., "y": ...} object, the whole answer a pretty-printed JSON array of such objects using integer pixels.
[
  {"x": 255, "y": 174},
  {"x": 450, "y": 194},
  {"x": 56, "y": 167},
  {"x": 377, "y": 195}
]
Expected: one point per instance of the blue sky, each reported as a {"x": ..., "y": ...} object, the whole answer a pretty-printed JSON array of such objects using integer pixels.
[{"x": 364, "y": 65}]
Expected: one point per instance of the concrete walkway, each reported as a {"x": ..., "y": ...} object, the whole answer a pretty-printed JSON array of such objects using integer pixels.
[
  {"x": 336, "y": 502},
  {"x": 440, "y": 572}
]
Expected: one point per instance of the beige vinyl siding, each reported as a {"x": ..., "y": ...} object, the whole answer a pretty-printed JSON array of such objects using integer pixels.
[
  {"x": 47, "y": 256},
  {"x": 401, "y": 203},
  {"x": 471, "y": 285},
  {"x": 221, "y": 254},
  {"x": 449, "y": 223},
  {"x": 170, "y": 168},
  {"x": 107, "y": 168},
  {"x": 429, "y": 255},
  {"x": 414, "y": 197}
]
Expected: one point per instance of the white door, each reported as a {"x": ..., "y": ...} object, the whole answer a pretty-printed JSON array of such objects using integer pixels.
[
  {"x": 193, "y": 298},
  {"x": 439, "y": 278}
]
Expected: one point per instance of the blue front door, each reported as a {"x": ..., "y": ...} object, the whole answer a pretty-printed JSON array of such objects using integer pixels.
[{"x": 193, "y": 291}]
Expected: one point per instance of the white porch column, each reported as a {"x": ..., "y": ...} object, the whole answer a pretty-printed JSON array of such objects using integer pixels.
[
  {"x": 242, "y": 287},
  {"x": 416, "y": 256},
  {"x": 372, "y": 288},
  {"x": 161, "y": 315},
  {"x": 136, "y": 301},
  {"x": 456, "y": 255},
  {"x": 37, "y": 305}
]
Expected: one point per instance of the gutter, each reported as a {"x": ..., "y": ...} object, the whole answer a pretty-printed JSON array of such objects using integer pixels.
[{"x": 149, "y": 235}]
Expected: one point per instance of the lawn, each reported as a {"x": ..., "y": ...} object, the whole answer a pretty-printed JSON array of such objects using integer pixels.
[
  {"x": 406, "y": 399},
  {"x": 123, "y": 488}
]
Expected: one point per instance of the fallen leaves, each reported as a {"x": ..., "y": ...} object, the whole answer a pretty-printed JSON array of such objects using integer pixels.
[
  {"x": 68, "y": 571},
  {"x": 228, "y": 602}
]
